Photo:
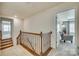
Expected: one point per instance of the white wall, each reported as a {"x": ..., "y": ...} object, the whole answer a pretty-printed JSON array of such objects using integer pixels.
[
  {"x": 46, "y": 20},
  {"x": 77, "y": 25},
  {"x": 17, "y": 26}
]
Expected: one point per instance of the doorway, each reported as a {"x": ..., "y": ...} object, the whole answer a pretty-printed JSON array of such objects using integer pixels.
[
  {"x": 5, "y": 33},
  {"x": 66, "y": 41},
  {"x": 6, "y": 28}
]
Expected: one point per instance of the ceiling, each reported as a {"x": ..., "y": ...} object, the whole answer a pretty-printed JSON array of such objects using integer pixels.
[{"x": 24, "y": 9}]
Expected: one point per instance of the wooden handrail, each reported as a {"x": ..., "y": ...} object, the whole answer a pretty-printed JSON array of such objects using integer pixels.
[{"x": 32, "y": 33}]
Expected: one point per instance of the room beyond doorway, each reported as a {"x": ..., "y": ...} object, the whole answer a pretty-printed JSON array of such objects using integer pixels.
[
  {"x": 6, "y": 27},
  {"x": 5, "y": 33},
  {"x": 66, "y": 40}
]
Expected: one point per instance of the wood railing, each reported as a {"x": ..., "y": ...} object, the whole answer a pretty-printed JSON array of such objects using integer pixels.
[{"x": 36, "y": 43}]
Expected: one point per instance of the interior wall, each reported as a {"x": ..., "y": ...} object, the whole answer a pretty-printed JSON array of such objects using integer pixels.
[
  {"x": 17, "y": 26},
  {"x": 77, "y": 26},
  {"x": 0, "y": 26},
  {"x": 46, "y": 21}
]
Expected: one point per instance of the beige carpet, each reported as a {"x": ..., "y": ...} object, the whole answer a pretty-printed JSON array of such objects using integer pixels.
[
  {"x": 65, "y": 49},
  {"x": 18, "y": 51},
  {"x": 15, "y": 51}
]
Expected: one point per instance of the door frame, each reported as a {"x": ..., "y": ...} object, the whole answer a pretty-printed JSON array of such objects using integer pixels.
[{"x": 6, "y": 19}]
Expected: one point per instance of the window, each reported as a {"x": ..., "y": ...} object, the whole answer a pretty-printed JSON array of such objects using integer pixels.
[
  {"x": 72, "y": 28},
  {"x": 6, "y": 29}
]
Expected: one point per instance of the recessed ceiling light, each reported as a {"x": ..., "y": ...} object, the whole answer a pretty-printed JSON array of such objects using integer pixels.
[{"x": 15, "y": 16}]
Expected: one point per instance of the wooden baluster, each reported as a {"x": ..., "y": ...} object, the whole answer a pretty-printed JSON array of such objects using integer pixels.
[
  {"x": 35, "y": 43},
  {"x": 50, "y": 38},
  {"x": 41, "y": 43}
]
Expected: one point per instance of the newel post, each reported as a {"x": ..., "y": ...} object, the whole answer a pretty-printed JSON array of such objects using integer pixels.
[
  {"x": 41, "y": 44},
  {"x": 20, "y": 31},
  {"x": 20, "y": 36},
  {"x": 50, "y": 32}
]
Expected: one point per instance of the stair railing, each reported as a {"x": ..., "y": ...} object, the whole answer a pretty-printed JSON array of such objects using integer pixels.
[{"x": 37, "y": 43}]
